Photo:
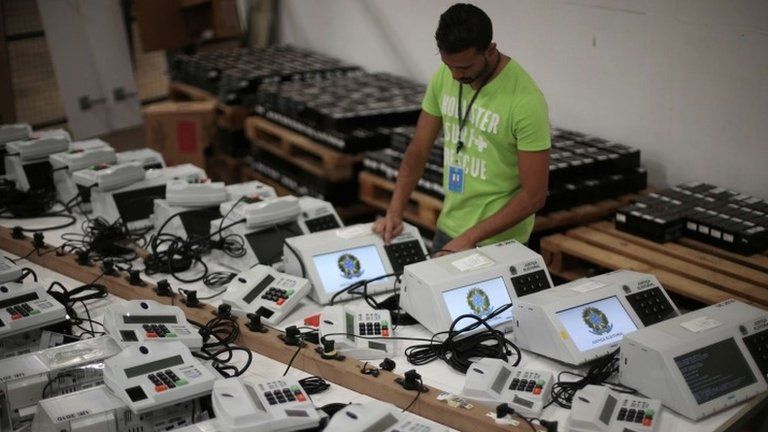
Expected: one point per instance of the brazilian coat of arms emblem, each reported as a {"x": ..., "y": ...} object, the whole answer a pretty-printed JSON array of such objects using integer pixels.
[
  {"x": 349, "y": 266},
  {"x": 478, "y": 301},
  {"x": 596, "y": 320}
]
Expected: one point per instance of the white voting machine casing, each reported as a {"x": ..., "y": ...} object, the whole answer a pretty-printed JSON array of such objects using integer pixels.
[
  {"x": 195, "y": 219},
  {"x": 264, "y": 291},
  {"x": 702, "y": 362},
  {"x": 147, "y": 321},
  {"x": 9, "y": 271},
  {"x": 599, "y": 409},
  {"x": 134, "y": 204},
  {"x": 14, "y": 132},
  {"x": 333, "y": 260},
  {"x": 476, "y": 281},
  {"x": 587, "y": 318},
  {"x": 493, "y": 381},
  {"x": 27, "y": 164},
  {"x": 98, "y": 409},
  {"x": 147, "y": 158},
  {"x": 379, "y": 417},
  {"x": 82, "y": 155},
  {"x": 362, "y": 333},
  {"x": 264, "y": 244},
  {"x": 25, "y": 307},
  {"x": 26, "y": 379},
  {"x": 280, "y": 405},
  {"x": 150, "y": 376}
]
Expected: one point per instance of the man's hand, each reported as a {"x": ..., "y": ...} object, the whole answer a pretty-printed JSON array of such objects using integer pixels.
[
  {"x": 458, "y": 244},
  {"x": 388, "y": 227}
]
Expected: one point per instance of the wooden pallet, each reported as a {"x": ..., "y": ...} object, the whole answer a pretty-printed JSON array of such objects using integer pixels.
[
  {"x": 184, "y": 92},
  {"x": 301, "y": 151},
  {"x": 422, "y": 209},
  {"x": 686, "y": 269}
]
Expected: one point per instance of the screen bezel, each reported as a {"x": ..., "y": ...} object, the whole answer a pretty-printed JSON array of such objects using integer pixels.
[
  {"x": 465, "y": 284},
  {"x": 604, "y": 347},
  {"x": 376, "y": 246}
]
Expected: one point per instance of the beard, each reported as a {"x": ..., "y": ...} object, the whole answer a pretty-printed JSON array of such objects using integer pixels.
[{"x": 484, "y": 73}]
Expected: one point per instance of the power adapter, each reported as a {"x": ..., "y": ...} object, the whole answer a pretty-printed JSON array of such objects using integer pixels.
[{"x": 411, "y": 380}]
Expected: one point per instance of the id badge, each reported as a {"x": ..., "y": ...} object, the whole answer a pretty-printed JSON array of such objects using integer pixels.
[{"x": 456, "y": 179}]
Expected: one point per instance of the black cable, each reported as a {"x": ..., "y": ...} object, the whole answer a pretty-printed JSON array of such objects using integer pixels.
[
  {"x": 68, "y": 298},
  {"x": 314, "y": 385},
  {"x": 418, "y": 393},
  {"x": 350, "y": 289},
  {"x": 218, "y": 279},
  {"x": 219, "y": 335},
  {"x": 461, "y": 347},
  {"x": 598, "y": 373},
  {"x": 298, "y": 257},
  {"x": 293, "y": 357},
  {"x": 26, "y": 271}
]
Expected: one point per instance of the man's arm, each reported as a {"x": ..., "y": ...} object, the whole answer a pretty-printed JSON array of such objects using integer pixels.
[
  {"x": 411, "y": 169},
  {"x": 534, "y": 181}
]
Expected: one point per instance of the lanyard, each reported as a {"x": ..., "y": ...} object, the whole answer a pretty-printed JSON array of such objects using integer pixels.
[{"x": 463, "y": 121}]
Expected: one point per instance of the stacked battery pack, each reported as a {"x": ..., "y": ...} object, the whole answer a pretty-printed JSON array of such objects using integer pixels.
[
  {"x": 582, "y": 169},
  {"x": 350, "y": 113},
  {"x": 235, "y": 75},
  {"x": 703, "y": 212}
]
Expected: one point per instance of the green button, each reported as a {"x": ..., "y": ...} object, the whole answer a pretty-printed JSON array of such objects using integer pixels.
[
  {"x": 170, "y": 335},
  {"x": 649, "y": 413},
  {"x": 294, "y": 388},
  {"x": 288, "y": 293},
  {"x": 181, "y": 382},
  {"x": 540, "y": 383},
  {"x": 34, "y": 312}
]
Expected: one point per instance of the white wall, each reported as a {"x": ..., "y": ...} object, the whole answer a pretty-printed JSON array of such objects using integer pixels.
[{"x": 686, "y": 81}]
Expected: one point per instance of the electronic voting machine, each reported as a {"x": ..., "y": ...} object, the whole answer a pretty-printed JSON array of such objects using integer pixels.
[
  {"x": 266, "y": 292},
  {"x": 600, "y": 409},
  {"x": 134, "y": 203},
  {"x": 378, "y": 416},
  {"x": 476, "y": 281},
  {"x": 362, "y": 333},
  {"x": 333, "y": 260},
  {"x": 587, "y": 318},
  {"x": 150, "y": 376},
  {"x": 702, "y": 362},
  {"x": 198, "y": 203},
  {"x": 26, "y": 379},
  {"x": 27, "y": 164},
  {"x": 145, "y": 157},
  {"x": 81, "y": 155},
  {"x": 269, "y": 222},
  {"x": 26, "y": 307},
  {"x": 493, "y": 381},
  {"x": 142, "y": 321}
]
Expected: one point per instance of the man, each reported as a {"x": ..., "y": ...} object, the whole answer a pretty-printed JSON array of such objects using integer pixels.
[{"x": 496, "y": 133}]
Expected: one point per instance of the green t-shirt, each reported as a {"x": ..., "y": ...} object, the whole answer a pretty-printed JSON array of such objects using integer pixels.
[{"x": 509, "y": 115}]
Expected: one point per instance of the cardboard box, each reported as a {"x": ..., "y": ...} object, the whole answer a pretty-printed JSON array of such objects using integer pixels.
[
  {"x": 173, "y": 24},
  {"x": 181, "y": 131}
]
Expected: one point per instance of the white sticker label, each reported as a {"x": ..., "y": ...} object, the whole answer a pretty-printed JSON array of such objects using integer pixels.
[
  {"x": 354, "y": 231},
  {"x": 587, "y": 286},
  {"x": 701, "y": 324},
  {"x": 692, "y": 226},
  {"x": 728, "y": 238},
  {"x": 472, "y": 262},
  {"x": 715, "y": 233},
  {"x": 703, "y": 229},
  {"x": 621, "y": 217}
]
